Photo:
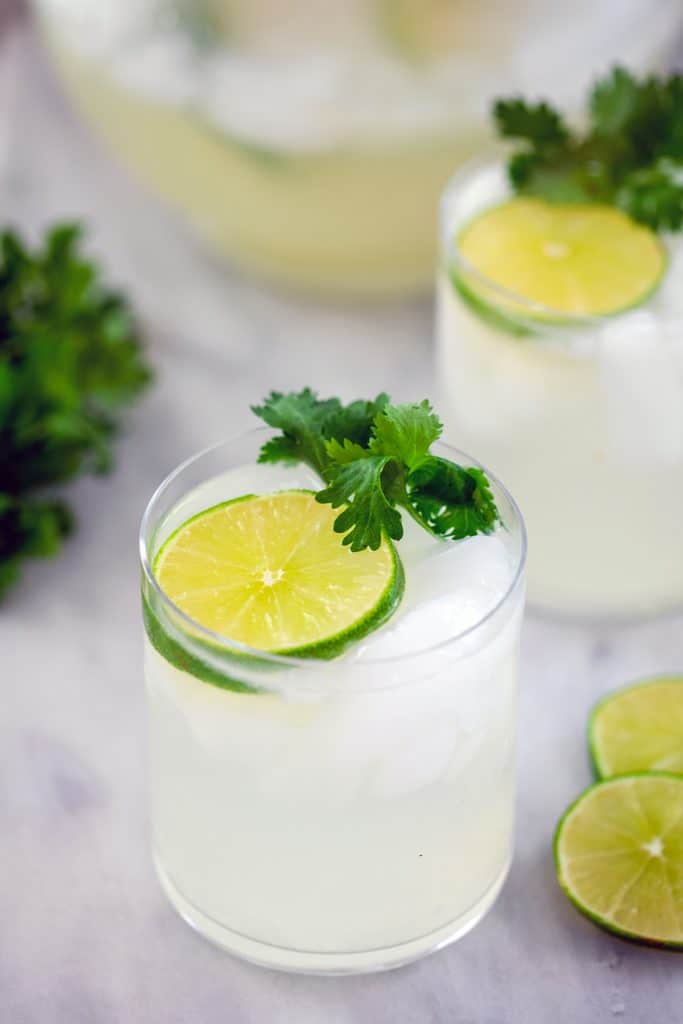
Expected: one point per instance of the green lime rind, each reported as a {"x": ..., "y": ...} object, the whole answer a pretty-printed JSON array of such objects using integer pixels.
[
  {"x": 532, "y": 324},
  {"x": 324, "y": 650},
  {"x": 337, "y": 643},
  {"x": 600, "y": 920},
  {"x": 176, "y": 654},
  {"x": 596, "y": 746},
  {"x": 172, "y": 650},
  {"x": 491, "y": 315},
  {"x": 181, "y": 658}
]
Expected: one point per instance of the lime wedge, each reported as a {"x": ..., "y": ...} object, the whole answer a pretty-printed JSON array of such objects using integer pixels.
[
  {"x": 639, "y": 728},
  {"x": 270, "y": 572},
  {"x": 570, "y": 259},
  {"x": 619, "y": 856}
]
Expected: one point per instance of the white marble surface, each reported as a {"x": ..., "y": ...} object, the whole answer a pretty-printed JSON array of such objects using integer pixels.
[{"x": 85, "y": 934}]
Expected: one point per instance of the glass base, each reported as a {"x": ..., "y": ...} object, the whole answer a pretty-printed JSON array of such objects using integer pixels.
[{"x": 304, "y": 962}]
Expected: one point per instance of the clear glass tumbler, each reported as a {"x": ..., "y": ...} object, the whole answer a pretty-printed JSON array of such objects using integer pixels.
[
  {"x": 583, "y": 418},
  {"x": 327, "y": 816}
]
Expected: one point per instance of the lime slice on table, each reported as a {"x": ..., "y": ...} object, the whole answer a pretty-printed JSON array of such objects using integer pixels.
[
  {"x": 619, "y": 856},
  {"x": 569, "y": 259},
  {"x": 639, "y": 728},
  {"x": 269, "y": 572}
]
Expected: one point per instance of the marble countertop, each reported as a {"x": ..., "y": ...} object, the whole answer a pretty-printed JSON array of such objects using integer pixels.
[{"x": 86, "y": 936}]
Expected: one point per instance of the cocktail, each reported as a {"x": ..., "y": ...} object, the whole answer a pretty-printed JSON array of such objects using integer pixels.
[
  {"x": 332, "y": 725},
  {"x": 561, "y": 342},
  {"x": 309, "y": 141}
]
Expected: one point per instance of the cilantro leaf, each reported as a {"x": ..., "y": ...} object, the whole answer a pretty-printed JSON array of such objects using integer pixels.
[
  {"x": 344, "y": 452},
  {"x": 450, "y": 500},
  {"x": 301, "y": 418},
  {"x": 406, "y": 431},
  {"x": 369, "y": 513},
  {"x": 70, "y": 358},
  {"x": 539, "y": 123},
  {"x": 355, "y": 421},
  {"x": 29, "y": 528},
  {"x": 280, "y": 449},
  {"x": 614, "y": 102},
  {"x": 630, "y": 155},
  {"x": 654, "y": 196},
  {"x": 307, "y": 423},
  {"x": 375, "y": 459}
]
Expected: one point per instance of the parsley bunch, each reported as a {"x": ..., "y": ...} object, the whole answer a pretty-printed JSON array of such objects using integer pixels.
[
  {"x": 630, "y": 155},
  {"x": 70, "y": 357},
  {"x": 375, "y": 458}
]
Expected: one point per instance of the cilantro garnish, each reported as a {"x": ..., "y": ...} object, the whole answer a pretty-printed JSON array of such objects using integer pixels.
[
  {"x": 630, "y": 154},
  {"x": 70, "y": 357},
  {"x": 375, "y": 458}
]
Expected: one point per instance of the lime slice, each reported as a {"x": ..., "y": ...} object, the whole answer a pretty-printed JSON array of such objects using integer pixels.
[
  {"x": 619, "y": 856},
  {"x": 570, "y": 259},
  {"x": 271, "y": 573},
  {"x": 639, "y": 728}
]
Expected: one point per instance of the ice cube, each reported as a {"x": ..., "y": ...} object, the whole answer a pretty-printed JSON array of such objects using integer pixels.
[
  {"x": 450, "y": 586},
  {"x": 641, "y": 376}
]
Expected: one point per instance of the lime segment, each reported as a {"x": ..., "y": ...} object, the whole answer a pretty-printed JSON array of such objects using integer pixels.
[
  {"x": 571, "y": 259},
  {"x": 270, "y": 572},
  {"x": 639, "y": 728},
  {"x": 619, "y": 856}
]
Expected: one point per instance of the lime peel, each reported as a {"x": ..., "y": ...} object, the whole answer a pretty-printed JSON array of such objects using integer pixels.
[
  {"x": 619, "y": 856},
  {"x": 268, "y": 572},
  {"x": 569, "y": 260},
  {"x": 639, "y": 728}
]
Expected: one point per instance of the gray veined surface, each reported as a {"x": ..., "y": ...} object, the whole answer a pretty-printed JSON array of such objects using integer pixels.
[{"x": 87, "y": 937}]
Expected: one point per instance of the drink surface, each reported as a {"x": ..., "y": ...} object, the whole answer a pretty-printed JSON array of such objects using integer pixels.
[
  {"x": 352, "y": 805},
  {"x": 306, "y": 119},
  {"x": 449, "y": 586},
  {"x": 572, "y": 414}
]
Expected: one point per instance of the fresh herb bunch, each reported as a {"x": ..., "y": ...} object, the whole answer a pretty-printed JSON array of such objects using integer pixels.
[
  {"x": 630, "y": 155},
  {"x": 70, "y": 357},
  {"x": 375, "y": 458}
]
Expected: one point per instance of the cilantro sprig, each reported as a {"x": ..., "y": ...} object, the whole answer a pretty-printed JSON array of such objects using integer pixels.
[
  {"x": 630, "y": 154},
  {"x": 375, "y": 459},
  {"x": 70, "y": 358}
]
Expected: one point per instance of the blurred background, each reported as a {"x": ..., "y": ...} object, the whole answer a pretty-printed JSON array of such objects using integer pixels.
[
  {"x": 261, "y": 180},
  {"x": 308, "y": 142}
]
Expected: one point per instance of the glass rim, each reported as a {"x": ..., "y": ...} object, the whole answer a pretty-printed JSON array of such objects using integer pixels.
[
  {"x": 543, "y": 317},
  {"x": 230, "y": 646}
]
